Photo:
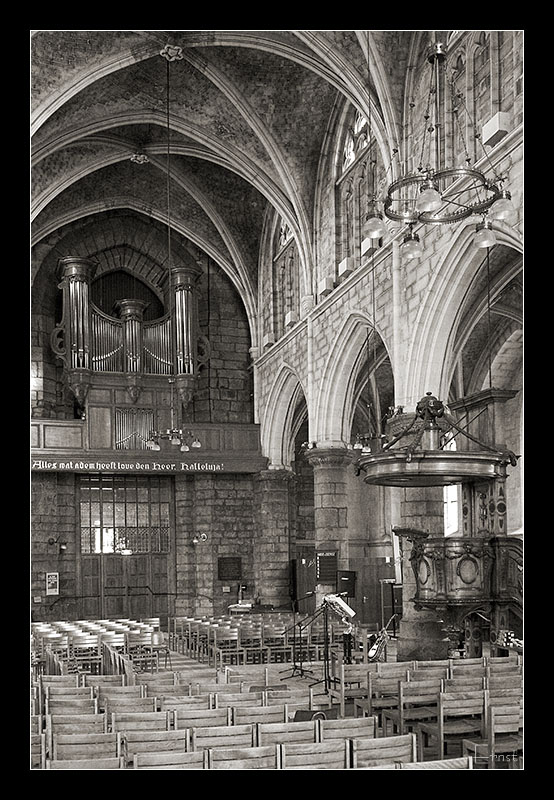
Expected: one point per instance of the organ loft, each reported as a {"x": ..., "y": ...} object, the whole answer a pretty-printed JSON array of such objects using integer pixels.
[{"x": 277, "y": 396}]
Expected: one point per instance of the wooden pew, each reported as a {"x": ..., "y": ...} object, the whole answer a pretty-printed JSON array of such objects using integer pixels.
[
  {"x": 317, "y": 755},
  {"x": 71, "y": 746},
  {"x": 87, "y": 763},
  {"x": 386, "y": 750},
  {"x": 271, "y": 733},
  {"x": 171, "y": 760},
  {"x": 223, "y": 736},
  {"x": 268, "y": 757}
]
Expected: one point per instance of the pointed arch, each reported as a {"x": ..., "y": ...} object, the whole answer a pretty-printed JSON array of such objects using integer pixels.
[
  {"x": 429, "y": 365},
  {"x": 278, "y": 422},
  {"x": 336, "y": 400}
]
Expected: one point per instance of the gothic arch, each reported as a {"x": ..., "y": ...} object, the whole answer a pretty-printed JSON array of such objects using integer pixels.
[
  {"x": 277, "y": 424},
  {"x": 335, "y": 403},
  {"x": 429, "y": 366}
]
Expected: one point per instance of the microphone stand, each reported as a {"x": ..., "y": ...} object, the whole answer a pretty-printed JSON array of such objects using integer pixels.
[{"x": 297, "y": 668}]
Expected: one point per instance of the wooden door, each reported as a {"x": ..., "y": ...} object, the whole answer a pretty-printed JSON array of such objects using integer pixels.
[{"x": 305, "y": 578}]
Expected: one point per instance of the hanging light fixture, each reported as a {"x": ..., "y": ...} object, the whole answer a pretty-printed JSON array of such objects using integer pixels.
[
  {"x": 375, "y": 226},
  {"x": 436, "y": 193},
  {"x": 175, "y": 434}
]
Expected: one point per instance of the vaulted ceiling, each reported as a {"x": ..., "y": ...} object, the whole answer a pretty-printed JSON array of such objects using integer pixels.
[{"x": 248, "y": 116}]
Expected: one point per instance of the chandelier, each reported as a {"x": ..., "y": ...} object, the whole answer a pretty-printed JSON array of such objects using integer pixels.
[
  {"x": 175, "y": 435},
  {"x": 436, "y": 193}
]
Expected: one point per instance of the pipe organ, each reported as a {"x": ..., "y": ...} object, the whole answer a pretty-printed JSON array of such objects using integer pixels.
[{"x": 91, "y": 343}]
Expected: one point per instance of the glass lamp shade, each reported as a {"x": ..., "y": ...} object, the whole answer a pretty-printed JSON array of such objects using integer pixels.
[
  {"x": 374, "y": 227},
  {"x": 429, "y": 199},
  {"x": 175, "y": 439},
  {"x": 185, "y": 448},
  {"x": 484, "y": 236},
  {"x": 196, "y": 443},
  {"x": 503, "y": 208},
  {"x": 411, "y": 246},
  {"x": 155, "y": 446}
]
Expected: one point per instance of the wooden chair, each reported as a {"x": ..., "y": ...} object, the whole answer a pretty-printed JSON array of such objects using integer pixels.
[
  {"x": 38, "y": 751},
  {"x": 236, "y": 699},
  {"x": 87, "y": 763},
  {"x": 71, "y": 705},
  {"x": 223, "y": 736},
  {"x": 417, "y": 701},
  {"x": 459, "y": 715},
  {"x": 99, "y": 681},
  {"x": 350, "y": 728},
  {"x": 504, "y": 738},
  {"x": 318, "y": 755},
  {"x": 108, "y": 695},
  {"x": 173, "y": 703},
  {"x": 199, "y": 718},
  {"x": 73, "y": 723},
  {"x": 268, "y": 757},
  {"x": 134, "y": 704},
  {"x": 447, "y": 763},
  {"x": 270, "y": 733},
  {"x": 135, "y": 742},
  {"x": 171, "y": 760},
  {"x": 249, "y": 715},
  {"x": 123, "y": 721},
  {"x": 386, "y": 750},
  {"x": 382, "y": 692},
  {"x": 72, "y": 746}
]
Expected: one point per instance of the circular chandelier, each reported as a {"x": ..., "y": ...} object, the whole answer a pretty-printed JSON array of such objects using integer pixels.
[{"x": 436, "y": 193}]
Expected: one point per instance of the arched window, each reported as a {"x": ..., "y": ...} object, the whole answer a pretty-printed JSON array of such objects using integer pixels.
[{"x": 451, "y": 502}]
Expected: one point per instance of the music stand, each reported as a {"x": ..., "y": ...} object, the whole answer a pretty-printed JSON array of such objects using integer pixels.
[{"x": 336, "y": 604}]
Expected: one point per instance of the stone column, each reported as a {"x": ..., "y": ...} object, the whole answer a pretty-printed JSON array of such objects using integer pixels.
[
  {"x": 271, "y": 546},
  {"x": 330, "y": 507},
  {"x": 420, "y": 634}
]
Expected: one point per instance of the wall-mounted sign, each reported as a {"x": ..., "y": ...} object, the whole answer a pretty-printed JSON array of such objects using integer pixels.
[
  {"x": 229, "y": 568},
  {"x": 133, "y": 465},
  {"x": 52, "y": 583},
  {"x": 326, "y": 567}
]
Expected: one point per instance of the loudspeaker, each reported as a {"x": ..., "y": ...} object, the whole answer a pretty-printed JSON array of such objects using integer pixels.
[
  {"x": 324, "y": 713},
  {"x": 293, "y": 587},
  {"x": 346, "y": 582}
]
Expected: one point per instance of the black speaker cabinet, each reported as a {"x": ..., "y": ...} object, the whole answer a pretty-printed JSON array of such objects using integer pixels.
[{"x": 346, "y": 582}]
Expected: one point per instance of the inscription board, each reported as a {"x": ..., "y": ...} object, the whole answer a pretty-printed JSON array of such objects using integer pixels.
[{"x": 326, "y": 566}]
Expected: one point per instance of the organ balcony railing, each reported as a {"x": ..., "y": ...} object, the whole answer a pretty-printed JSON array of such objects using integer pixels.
[{"x": 87, "y": 340}]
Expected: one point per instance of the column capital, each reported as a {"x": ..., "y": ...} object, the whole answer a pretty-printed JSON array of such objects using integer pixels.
[
  {"x": 76, "y": 267},
  {"x": 329, "y": 457}
]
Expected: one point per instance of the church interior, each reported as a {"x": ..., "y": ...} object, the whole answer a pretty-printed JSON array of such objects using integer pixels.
[{"x": 276, "y": 322}]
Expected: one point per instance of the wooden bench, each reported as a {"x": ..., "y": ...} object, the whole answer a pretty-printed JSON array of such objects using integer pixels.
[
  {"x": 268, "y": 757},
  {"x": 223, "y": 736},
  {"x": 270, "y": 733},
  {"x": 459, "y": 715},
  {"x": 171, "y": 760},
  {"x": 135, "y": 742},
  {"x": 386, "y": 750},
  {"x": 71, "y": 746},
  {"x": 87, "y": 763},
  {"x": 317, "y": 755}
]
